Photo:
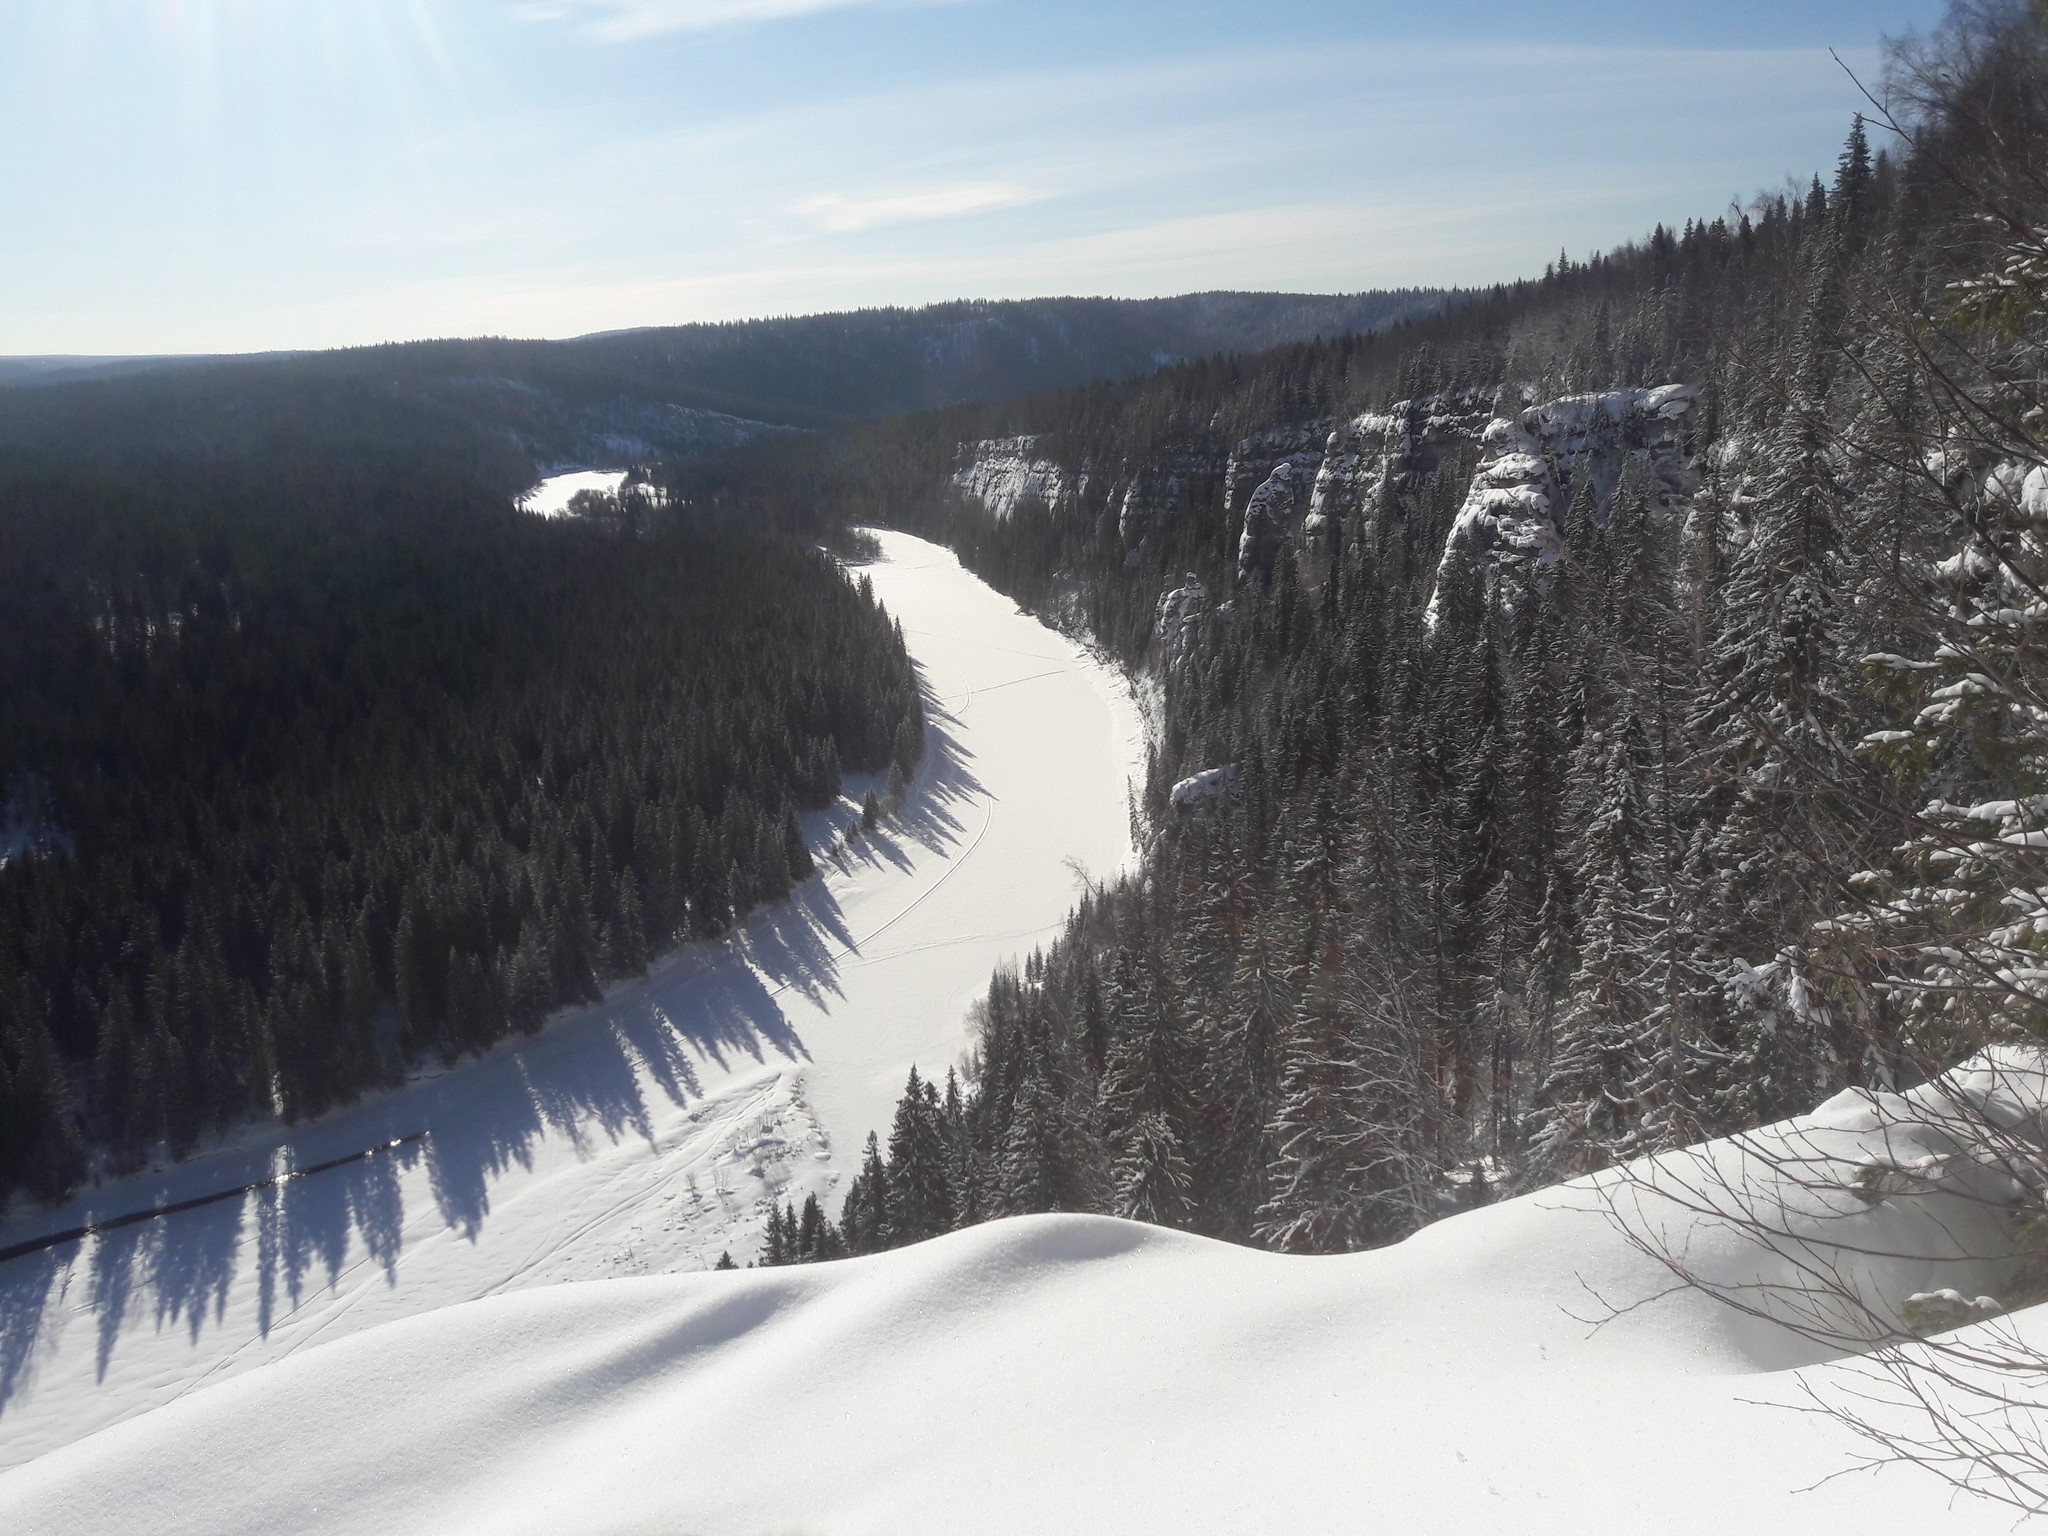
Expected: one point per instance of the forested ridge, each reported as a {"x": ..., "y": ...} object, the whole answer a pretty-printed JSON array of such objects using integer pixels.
[
  {"x": 315, "y": 769},
  {"x": 665, "y": 391},
  {"x": 1650, "y": 747}
]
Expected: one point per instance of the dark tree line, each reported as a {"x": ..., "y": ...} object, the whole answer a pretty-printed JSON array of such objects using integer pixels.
[
  {"x": 1532, "y": 865},
  {"x": 317, "y": 771},
  {"x": 676, "y": 391}
]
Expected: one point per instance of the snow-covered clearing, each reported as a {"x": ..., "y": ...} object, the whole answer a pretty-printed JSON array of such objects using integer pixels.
[
  {"x": 552, "y": 496},
  {"x": 641, "y": 1136},
  {"x": 1058, "y": 1373}
]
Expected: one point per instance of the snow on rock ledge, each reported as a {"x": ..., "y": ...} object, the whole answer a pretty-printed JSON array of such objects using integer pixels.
[{"x": 1210, "y": 784}]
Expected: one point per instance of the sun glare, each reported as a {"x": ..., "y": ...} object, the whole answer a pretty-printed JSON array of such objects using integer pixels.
[{"x": 222, "y": 56}]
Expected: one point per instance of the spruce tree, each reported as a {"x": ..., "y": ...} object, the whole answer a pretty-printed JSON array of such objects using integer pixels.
[{"x": 919, "y": 1181}]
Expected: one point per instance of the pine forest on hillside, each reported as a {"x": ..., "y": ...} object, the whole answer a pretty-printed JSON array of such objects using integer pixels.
[
  {"x": 331, "y": 772},
  {"x": 1648, "y": 747}
]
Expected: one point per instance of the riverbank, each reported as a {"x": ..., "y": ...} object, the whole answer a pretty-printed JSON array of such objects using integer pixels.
[{"x": 641, "y": 1136}]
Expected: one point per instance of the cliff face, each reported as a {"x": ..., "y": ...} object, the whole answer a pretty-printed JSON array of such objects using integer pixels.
[
  {"x": 1150, "y": 495},
  {"x": 1003, "y": 472},
  {"x": 1538, "y": 461},
  {"x": 1291, "y": 495},
  {"x": 1370, "y": 457},
  {"x": 1289, "y": 487},
  {"x": 1371, "y": 454},
  {"x": 1139, "y": 498},
  {"x": 1179, "y": 622}
]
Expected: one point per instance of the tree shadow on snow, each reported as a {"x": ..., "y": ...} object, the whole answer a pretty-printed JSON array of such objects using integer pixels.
[
  {"x": 935, "y": 814},
  {"x": 591, "y": 1080},
  {"x": 26, "y": 1295}
]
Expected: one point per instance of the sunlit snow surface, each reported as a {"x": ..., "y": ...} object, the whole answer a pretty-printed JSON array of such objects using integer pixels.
[
  {"x": 1041, "y": 1374},
  {"x": 641, "y": 1137},
  {"x": 551, "y": 497}
]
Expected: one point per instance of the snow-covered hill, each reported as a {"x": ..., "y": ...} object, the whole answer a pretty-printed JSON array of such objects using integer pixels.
[
  {"x": 1065, "y": 1373},
  {"x": 640, "y": 1137}
]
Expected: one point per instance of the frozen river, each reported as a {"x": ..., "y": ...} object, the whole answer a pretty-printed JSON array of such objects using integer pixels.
[{"x": 642, "y": 1136}]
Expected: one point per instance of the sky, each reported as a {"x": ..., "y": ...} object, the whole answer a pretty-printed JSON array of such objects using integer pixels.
[{"x": 242, "y": 175}]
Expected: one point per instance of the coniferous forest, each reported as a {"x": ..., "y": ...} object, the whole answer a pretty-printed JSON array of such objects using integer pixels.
[
  {"x": 1230, "y": 871},
  {"x": 1597, "y": 714},
  {"x": 1490, "y": 841},
  {"x": 320, "y": 769}
]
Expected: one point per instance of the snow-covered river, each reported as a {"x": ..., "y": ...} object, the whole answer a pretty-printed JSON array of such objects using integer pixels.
[{"x": 641, "y": 1136}]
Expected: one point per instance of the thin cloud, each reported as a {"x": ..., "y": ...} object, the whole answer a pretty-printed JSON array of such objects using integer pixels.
[
  {"x": 620, "y": 21},
  {"x": 840, "y": 215}
]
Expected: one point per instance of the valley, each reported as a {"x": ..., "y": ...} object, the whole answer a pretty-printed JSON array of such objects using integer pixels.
[{"x": 641, "y": 1136}]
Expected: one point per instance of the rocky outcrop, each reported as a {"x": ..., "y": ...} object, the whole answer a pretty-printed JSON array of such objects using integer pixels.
[
  {"x": 1540, "y": 459},
  {"x": 1292, "y": 492},
  {"x": 1344, "y": 479},
  {"x": 1370, "y": 456},
  {"x": 1266, "y": 483},
  {"x": 1003, "y": 472},
  {"x": 1179, "y": 621},
  {"x": 1252, "y": 462},
  {"x": 1360, "y": 458},
  {"x": 1271, "y": 519},
  {"x": 1380, "y": 449},
  {"x": 1210, "y": 784}
]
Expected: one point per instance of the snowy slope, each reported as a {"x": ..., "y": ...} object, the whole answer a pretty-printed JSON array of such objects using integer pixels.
[
  {"x": 552, "y": 496},
  {"x": 1054, "y": 1373},
  {"x": 642, "y": 1136}
]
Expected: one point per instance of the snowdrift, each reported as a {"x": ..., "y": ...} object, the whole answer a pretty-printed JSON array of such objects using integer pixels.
[{"x": 1525, "y": 1367}]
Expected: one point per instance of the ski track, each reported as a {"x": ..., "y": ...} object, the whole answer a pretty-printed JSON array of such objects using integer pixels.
[{"x": 644, "y": 1135}]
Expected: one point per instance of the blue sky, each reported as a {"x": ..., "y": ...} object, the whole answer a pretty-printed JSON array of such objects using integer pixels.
[{"x": 226, "y": 175}]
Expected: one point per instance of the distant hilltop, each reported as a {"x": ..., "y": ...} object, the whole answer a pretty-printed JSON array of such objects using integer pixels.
[{"x": 669, "y": 391}]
